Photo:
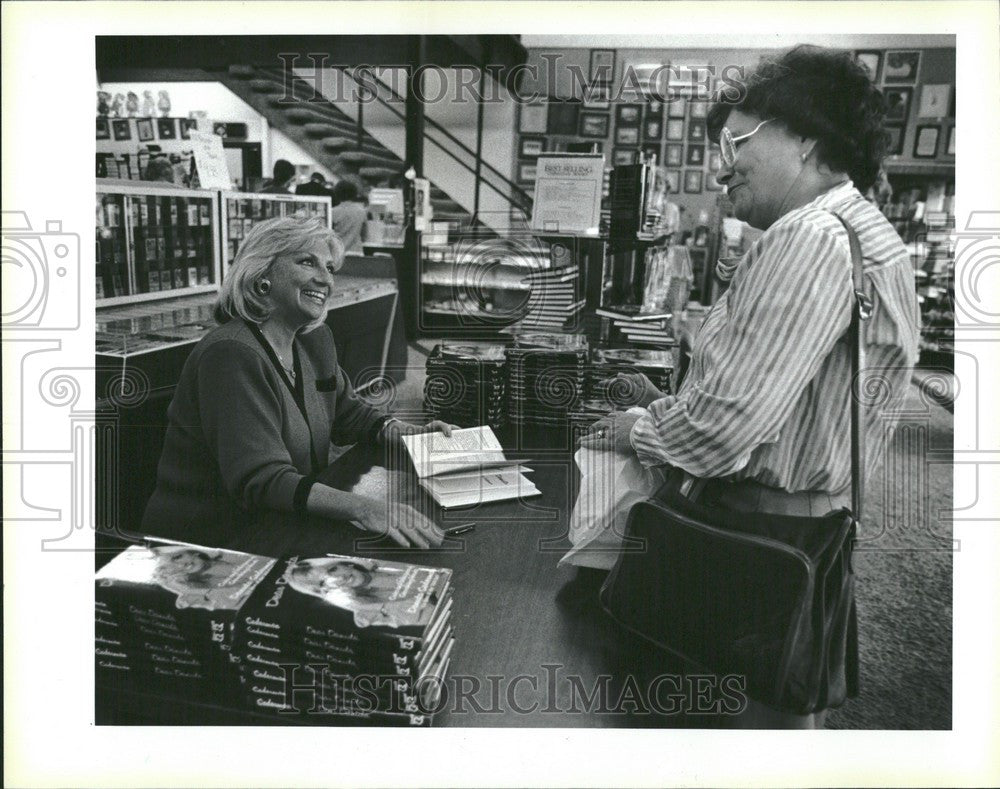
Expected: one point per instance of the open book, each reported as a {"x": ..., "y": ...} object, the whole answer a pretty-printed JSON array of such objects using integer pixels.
[{"x": 467, "y": 468}]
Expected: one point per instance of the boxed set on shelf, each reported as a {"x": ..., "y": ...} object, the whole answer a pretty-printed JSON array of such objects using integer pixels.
[
  {"x": 373, "y": 638},
  {"x": 150, "y": 241}
]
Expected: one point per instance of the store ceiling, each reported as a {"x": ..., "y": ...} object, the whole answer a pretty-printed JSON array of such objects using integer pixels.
[
  {"x": 737, "y": 41},
  {"x": 115, "y": 53}
]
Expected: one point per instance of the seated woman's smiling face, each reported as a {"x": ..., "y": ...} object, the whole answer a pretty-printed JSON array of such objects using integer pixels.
[{"x": 302, "y": 283}]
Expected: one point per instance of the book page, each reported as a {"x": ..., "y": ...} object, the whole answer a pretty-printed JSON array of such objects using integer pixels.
[{"x": 435, "y": 453}]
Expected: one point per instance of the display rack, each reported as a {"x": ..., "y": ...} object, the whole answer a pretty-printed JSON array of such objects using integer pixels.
[
  {"x": 154, "y": 242},
  {"x": 241, "y": 210},
  {"x": 479, "y": 283}
]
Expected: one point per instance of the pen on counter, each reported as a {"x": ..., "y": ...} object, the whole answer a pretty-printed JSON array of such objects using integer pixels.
[{"x": 461, "y": 529}]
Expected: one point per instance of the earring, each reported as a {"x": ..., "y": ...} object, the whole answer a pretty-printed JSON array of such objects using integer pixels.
[{"x": 262, "y": 287}]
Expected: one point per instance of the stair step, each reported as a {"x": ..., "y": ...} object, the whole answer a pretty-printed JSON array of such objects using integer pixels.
[
  {"x": 336, "y": 144},
  {"x": 376, "y": 173},
  {"x": 353, "y": 157},
  {"x": 319, "y": 130},
  {"x": 301, "y": 115},
  {"x": 446, "y": 204},
  {"x": 242, "y": 71},
  {"x": 263, "y": 86}
]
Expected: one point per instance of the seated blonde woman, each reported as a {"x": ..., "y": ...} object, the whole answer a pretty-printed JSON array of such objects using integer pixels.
[{"x": 261, "y": 397}]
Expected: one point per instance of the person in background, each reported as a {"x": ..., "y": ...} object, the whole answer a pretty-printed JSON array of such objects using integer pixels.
[
  {"x": 349, "y": 214},
  {"x": 261, "y": 398},
  {"x": 284, "y": 174},
  {"x": 316, "y": 186},
  {"x": 762, "y": 420}
]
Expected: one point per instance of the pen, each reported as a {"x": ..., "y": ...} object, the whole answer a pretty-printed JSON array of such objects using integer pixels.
[{"x": 456, "y": 530}]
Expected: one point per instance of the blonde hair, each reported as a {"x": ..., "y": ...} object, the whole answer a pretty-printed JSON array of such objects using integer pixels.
[{"x": 265, "y": 242}]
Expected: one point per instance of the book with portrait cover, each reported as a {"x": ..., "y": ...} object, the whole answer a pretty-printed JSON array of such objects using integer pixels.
[{"x": 346, "y": 599}]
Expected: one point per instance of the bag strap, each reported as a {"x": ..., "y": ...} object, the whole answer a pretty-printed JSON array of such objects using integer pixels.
[{"x": 862, "y": 311}]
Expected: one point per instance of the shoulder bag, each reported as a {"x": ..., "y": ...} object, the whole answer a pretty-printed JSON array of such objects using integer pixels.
[{"x": 766, "y": 597}]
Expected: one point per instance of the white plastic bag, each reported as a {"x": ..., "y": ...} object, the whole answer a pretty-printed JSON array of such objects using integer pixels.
[{"x": 610, "y": 483}]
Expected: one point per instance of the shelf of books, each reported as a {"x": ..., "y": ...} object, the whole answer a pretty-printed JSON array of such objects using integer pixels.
[
  {"x": 153, "y": 242},
  {"x": 242, "y": 210}
]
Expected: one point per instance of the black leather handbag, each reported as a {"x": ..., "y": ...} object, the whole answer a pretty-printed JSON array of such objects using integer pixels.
[{"x": 766, "y": 597}]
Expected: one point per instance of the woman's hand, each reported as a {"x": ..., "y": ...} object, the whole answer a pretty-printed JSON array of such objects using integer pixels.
[
  {"x": 397, "y": 428},
  {"x": 631, "y": 389},
  {"x": 401, "y": 522},
  {"x": 611, "y": 433}
]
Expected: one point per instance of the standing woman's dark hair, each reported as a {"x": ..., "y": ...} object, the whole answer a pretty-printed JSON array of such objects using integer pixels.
[{"x": 823, "y": 94}]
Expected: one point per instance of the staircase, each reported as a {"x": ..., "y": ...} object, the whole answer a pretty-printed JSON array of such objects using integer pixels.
[{"x": 330, "y": 136}]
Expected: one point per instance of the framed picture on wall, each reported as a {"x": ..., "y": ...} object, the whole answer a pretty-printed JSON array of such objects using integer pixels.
[
  {"x": 675, "y": 129},
  {"x": 643, "y": 77},
  {"x": 934, "y": 101},
  {"x": 901, "y": 67},
  {"x": 526, "y": 173},
  {"x": 165, "y": 129},
  {"x": 597, "y": 96},
  {"x": 602, "y": 65},
  {"x": 714, "y": 159},
  {"x": 677, "y": 108},
  {"x": 103, "y": 128},
  {"x": 628, "y": 115},
  {"x": 897, "y": 104},
  {"x": 144, "y": 129},
  {"x": 871, "y": 60},
  {"x": 894, "y": 139},
  {"x": 692, "y": 181},
  {"x": 121, "y": 129},
  {"x": 652, "y": 129},
  {"x": 564, "y": 117},
  {"x": 695, "y": 155},
  {"x": 627, "y": 135},
  {"x": 531, "y": 147},
  {"x": 594, "y": 124},
  {"x": 185, "y": 124},
  {"x": 925, "y": 146},
  {"x": 649, "y": 151},
  {"x": 697, "y": 108},
  {"x": 623, "y": 156},
  {"x": 534, "y": 117},
  {"x": 674, "y": 156},
  {"x": 674, "y": 181},
  {"x": 950, "y": 150},
  {"x": 654, "y": 109},
  {"x": 696, "y": 131}
]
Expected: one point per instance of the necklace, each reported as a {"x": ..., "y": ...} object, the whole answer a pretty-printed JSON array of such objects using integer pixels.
[{"x": 289, "y": 370}]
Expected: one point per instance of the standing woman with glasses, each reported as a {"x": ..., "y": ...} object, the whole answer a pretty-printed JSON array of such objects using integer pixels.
[
  {"x": 762, "y": 419},
  {"x": 261, "y": 398}
]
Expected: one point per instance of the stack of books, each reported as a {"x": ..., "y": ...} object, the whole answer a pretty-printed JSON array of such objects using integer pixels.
[
  {"x": 369, "y": 640},
  {"x": 641, "y": 328},
  {"x": 606, "y": 363},
  {"x": 546, "y": 377},
  {"x": 466, "y": 385},
  {"x": 554, "y": 300},
  {"x": 164, "y": 614}
]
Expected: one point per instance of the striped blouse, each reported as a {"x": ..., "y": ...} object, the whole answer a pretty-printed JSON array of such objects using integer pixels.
[{"x": 767, "y": 393}]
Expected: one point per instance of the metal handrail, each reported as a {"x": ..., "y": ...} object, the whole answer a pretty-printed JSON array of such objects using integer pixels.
[{"x": 525, "y": 198}]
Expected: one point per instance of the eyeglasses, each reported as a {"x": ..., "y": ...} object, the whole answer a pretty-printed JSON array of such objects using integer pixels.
[{"x": 728, "y": 143}]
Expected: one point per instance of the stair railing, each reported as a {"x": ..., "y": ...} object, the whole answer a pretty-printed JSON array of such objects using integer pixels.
[{"x": 515, "y": 196}]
